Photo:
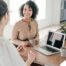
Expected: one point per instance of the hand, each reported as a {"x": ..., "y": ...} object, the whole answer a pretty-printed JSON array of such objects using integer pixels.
[
  {"x": 31, "y": 57},
  {"x": 20, "y": 48},
  {"x": 23, "y": 46},
  {"x": 33, "y": 42}
]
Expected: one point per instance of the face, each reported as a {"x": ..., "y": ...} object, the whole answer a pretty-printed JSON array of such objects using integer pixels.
[{"x": 27, "y": 11}]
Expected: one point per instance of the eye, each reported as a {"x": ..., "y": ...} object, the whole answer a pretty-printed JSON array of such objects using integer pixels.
[
  {"x": 25, "y": 9},
  {"x": 30, "y": 9}
]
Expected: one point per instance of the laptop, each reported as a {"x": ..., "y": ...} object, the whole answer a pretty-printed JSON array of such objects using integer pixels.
[{"x": 54, "y": 43}]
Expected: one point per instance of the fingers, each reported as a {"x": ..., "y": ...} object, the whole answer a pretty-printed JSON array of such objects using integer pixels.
[
  {"x": 20, "y": 48},
  {"x": 31, "y": 56}
]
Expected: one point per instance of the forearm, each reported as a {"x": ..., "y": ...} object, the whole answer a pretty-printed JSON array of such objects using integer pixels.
[
  {"x": 18, "y": 42},
  {"x": 28, "y": 63},
  {"x": 31, "y": 58},
  {"x": 37, "y": 40}
]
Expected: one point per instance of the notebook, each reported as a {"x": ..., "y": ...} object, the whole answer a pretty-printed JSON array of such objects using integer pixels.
[{"x": 55, "y": 41}]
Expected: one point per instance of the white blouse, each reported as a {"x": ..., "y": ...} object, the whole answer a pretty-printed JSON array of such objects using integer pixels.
[{"x": 9, "y": 55}]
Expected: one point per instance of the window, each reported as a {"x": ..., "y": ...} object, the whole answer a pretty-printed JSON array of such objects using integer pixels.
[
  {"x": 15, "y": 5},
  {"x": 42, "y": 9},
  {"x": 64, "y": 4}
]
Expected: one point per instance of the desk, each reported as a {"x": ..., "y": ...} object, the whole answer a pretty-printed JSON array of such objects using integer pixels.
[{"x": 53, "y": 60}]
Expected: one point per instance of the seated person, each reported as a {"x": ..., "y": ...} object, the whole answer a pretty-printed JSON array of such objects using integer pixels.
[{"x": 25, "y": 32}]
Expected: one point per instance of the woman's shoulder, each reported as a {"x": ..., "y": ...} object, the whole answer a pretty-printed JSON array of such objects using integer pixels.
[{"x": 18, "y": 23}]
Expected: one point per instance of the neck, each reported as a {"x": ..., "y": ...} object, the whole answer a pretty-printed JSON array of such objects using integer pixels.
[{"x": 27, "y": 19}]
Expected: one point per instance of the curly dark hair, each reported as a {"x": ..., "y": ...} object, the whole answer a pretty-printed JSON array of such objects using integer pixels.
[
  {"x": 32, "y": 5},
  {"x": 3, "y": 8}
]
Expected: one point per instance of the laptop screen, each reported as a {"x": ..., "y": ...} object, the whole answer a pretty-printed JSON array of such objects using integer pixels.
[{"x": 55, "y": 39}]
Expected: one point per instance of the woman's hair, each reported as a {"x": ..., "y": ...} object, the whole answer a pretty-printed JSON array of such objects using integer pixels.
[
  {"x": 3, "y": 8},
  {"x": 32, "y": 5}
]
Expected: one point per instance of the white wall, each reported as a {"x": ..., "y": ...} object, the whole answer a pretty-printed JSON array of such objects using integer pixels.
[
  {"x": 52, "y": 13},
  {"x": 56, "y": 11},
  {"x": 48, "y": 20}
]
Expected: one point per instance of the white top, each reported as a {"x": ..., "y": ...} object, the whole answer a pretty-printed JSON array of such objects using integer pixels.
[{"x": 9, "y": 55}]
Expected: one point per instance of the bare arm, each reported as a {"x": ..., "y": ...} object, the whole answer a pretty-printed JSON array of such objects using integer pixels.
[
  {"x": 31, "y": 58},
  {"x": 36, "y": 38},
  {"x": 15, "y": 35}
]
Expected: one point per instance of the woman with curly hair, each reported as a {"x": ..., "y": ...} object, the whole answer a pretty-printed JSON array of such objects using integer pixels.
[{"x": 25, "y": 32}]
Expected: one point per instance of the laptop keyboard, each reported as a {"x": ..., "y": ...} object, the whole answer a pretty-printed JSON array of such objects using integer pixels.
[{"x": 49, "y": 49}]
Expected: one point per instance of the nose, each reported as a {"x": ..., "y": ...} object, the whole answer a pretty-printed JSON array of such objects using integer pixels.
[{"x": 27, "y": 12}]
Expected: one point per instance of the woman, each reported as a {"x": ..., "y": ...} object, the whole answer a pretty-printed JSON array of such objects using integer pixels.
[
  {"x": 25, "y": 32},
  {"x": 8, "y": 53}
]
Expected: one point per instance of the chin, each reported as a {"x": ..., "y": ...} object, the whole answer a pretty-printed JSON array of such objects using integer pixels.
[{"x": 27, "y": 16}]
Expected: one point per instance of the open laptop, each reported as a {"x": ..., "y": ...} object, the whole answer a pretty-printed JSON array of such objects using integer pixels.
[{"x": 55, "y": 41}]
